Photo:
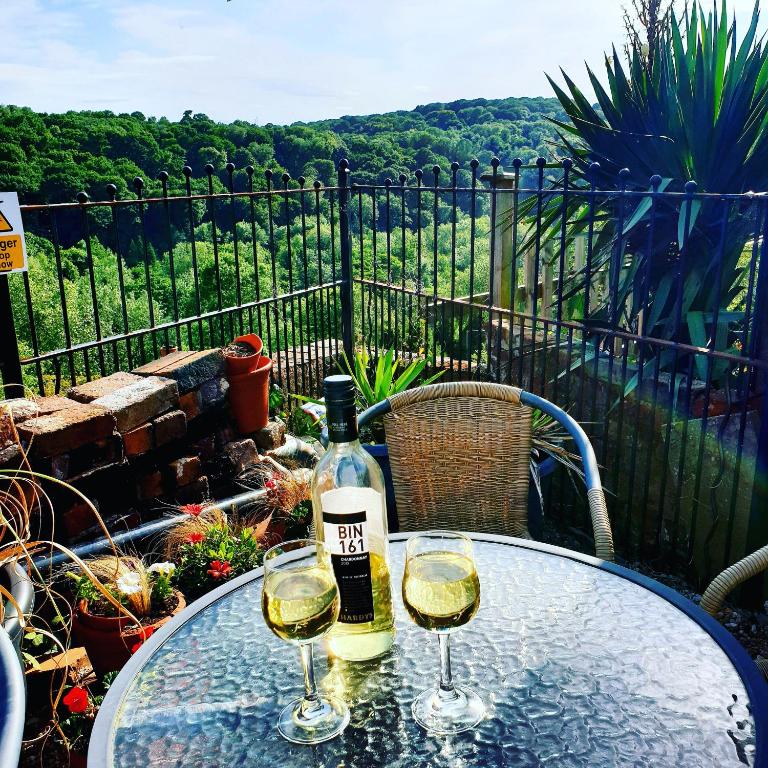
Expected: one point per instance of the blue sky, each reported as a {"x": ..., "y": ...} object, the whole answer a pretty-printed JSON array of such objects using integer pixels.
[{"x": 286, "y": 60}]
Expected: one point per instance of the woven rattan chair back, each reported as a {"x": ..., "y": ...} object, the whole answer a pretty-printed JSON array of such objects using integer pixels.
[{"x": 460, "y": 455}]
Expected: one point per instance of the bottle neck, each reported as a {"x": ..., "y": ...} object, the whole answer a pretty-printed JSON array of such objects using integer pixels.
[{"x": 341, "y": 419}]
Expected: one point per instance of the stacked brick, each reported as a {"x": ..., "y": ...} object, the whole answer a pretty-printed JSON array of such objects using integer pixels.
[{"x": 130, "y": 441}]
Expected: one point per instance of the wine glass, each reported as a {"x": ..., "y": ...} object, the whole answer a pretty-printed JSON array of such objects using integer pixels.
[
  {"x": 441, "y": 593},
  {"x": 300, "y": 602}
]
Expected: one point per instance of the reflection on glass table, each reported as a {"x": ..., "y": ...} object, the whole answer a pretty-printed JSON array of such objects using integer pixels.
[{"x": 577, "y": 664}]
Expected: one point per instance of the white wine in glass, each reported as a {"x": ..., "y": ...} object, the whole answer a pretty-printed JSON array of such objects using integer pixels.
[
  {"x": 441, "y": 592},
  {"x": 300, "y": 603}
]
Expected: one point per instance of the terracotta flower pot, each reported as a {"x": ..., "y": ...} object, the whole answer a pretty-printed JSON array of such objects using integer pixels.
[
  {"x": 237, "y": 366},
  {"x": 249, "y": 397},
  {"x": 108, "y": 640}
]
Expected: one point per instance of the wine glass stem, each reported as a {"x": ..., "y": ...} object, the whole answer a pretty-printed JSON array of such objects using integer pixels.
[
  {"x": 311, "y": 697},
  {"x": 446, "y": 690}
]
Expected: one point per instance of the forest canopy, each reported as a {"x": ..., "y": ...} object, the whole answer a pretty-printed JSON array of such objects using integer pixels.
[{"x": 49, "y": 158}]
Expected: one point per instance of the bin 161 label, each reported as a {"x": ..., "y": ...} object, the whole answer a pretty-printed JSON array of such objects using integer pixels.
[{"x": 346, "y": 538}]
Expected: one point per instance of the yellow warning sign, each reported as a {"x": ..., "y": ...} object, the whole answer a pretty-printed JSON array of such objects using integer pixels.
[
  {"x": 13, "y": 248},
  {"x": 11, "y": 253}
]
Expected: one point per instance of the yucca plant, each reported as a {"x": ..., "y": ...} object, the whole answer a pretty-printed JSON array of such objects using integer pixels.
[
  {"x": 376, "y": 384},
  {"x": 699, "y": 112}
]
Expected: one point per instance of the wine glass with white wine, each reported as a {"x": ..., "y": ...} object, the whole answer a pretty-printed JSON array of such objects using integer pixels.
[
  {"x": 441, "y": 592},
  {"x": 300, "y": 602}
]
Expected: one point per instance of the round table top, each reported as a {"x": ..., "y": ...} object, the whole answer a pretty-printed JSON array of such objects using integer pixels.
[{"x": 580, "y": 663}]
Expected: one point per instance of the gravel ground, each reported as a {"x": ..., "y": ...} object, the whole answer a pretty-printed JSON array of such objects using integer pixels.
[{"x": 750, "y": 628}]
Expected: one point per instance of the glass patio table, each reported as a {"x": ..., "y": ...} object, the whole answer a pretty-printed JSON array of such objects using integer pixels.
[{"x": 580, "y": 662}]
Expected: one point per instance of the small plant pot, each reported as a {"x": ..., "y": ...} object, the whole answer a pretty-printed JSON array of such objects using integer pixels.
[
  {"x": 239, "y": 365},
  {"x": 249, "y": 397},
  {"x": 109, "y": 639}
]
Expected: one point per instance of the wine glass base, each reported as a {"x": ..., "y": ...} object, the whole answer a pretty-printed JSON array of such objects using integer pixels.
[
  {"x": 328, "y": 719},
  {"x": 438, "y": 712}
]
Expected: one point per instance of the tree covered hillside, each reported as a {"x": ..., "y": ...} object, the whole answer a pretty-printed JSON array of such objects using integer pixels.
[{"x": 52, "y": 157}]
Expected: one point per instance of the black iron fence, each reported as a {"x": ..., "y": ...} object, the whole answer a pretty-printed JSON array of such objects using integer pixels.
[{"x": 639, "y": 309}]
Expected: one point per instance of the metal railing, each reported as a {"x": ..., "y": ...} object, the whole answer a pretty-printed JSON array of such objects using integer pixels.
[{"x": 638, "y": 309}]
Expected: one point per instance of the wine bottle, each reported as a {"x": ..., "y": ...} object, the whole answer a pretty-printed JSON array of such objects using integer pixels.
[{"x": 350, "y": 519}]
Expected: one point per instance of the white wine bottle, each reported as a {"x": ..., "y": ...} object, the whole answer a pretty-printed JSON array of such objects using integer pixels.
[{"x": 350, "y": 517}]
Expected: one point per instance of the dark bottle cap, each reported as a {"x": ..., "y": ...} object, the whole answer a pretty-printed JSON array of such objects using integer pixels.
[
  {"x": 341, "y": 414},
  {"x": 339, "y": 390}
]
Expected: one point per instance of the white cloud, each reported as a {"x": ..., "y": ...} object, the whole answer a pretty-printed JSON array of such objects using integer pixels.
[{"x": 276, "y": 61}]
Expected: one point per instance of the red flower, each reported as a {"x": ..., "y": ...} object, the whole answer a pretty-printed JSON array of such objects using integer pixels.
[
  {"x": 144, "y": 634},
  {"x": 76, "y": 699},
  {"x": 192, "y": 509},
  {"x": 195, "y": 538},
  {"x": 270, "y": 484},
  {"x": 219, "y": 569}
]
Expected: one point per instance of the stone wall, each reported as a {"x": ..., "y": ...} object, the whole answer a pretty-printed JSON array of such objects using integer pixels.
[{"x": 134, "y": 443}]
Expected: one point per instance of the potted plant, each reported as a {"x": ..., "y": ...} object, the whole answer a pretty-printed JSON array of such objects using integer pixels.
[
  {"x": 248, "y": 373},
  {"x": 209, "y": 548},
  {"x": 286, "y": 498},
  {"x": 242, "y": 355},
  {"x": 131, "y": 602},
  {"x": 77, "y": 710}
]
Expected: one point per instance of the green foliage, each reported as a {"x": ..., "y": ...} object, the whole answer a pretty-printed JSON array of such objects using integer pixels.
[
  {"x": 699, "y": 112},
  {"x": 221, "y": 554},
  {"x": 52, "y": 157},
  {"x": 84, "y": 589},
  {"x": 375, "y": 385}
]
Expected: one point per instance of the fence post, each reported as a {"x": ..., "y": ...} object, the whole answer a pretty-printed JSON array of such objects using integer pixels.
[
  {"x": 10, "y": 360},
  {"x": 346, "y": 261}
]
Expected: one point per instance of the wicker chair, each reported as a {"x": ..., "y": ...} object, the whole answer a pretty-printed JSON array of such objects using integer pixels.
[
  {"x": 722, "y": 585},
  {"x": 460, "y": 456}
]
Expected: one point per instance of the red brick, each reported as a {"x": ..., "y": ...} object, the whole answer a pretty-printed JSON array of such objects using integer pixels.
[
  {"x": 189, "y": 402},
  {"x": 242, "y": 454},
  {"x": 78, "y": 519},
  {"x": 194, "y": 493},
  {"x": 272, "y": 436},
  {"x": 151, "y": 485},
  {"x": 188, "y": 369},
  {"x": 206, "y": 448},
  {"x": 23, "y": 409},
  {"x": 185, "y": 470},
  {"x": 140, "y": 402},
  {"x": 92, "y": 390},
  {"x": 213, "y": 393},
  {"x": 139, "y": 441},
  {"x": 170, "y": 426},
  {"x": 66, "y": 429}
]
